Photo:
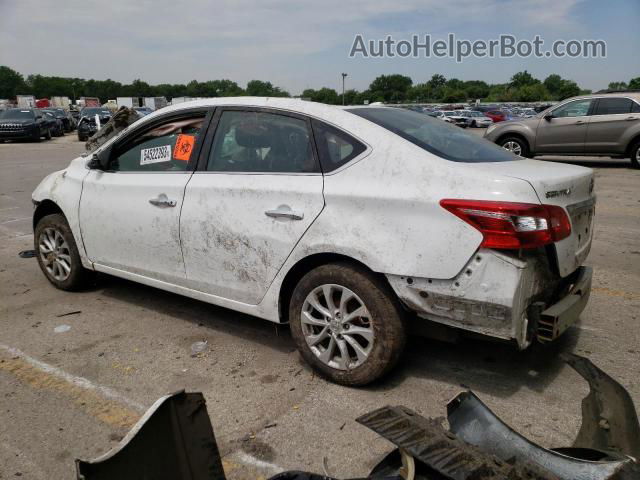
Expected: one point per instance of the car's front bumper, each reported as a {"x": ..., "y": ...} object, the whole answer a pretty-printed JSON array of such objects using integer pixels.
[
  {"x": 17, "y": 134},
  {"x": 501, "y": 295}
]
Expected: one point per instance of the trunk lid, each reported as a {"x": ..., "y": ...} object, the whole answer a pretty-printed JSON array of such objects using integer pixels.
[{"x": 567, "y": 186}]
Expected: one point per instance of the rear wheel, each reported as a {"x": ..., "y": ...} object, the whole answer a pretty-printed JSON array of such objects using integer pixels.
[
  {"x": 516, "y": 145},
  {"x": 635, "y": 155},
  {"x": 347, "y": 324},
  {"x": 58, "y": 255},
  {"x": 48, "y": 134},
  {"x": 473, "y": 124}
]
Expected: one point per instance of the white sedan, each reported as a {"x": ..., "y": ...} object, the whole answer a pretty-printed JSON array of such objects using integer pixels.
[{"x": 351, "y": 224}]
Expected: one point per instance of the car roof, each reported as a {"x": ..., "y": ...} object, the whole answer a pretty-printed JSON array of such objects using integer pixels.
[{"x": 634, "y": 95}]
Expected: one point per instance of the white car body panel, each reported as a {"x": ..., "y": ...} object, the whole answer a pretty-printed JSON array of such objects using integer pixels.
[
  {"x": 121, "y": 229},
  {"x": 381, "y": 209},
  {"x": 225, "y": 229}
]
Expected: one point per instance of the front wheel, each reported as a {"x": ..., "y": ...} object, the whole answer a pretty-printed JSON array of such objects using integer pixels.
[
  {"x": 58, "y": 255},
  {"x": 48, "y": 134},
  {"x": 515, "y": 145},
  {"x": 347, "y": 324}
]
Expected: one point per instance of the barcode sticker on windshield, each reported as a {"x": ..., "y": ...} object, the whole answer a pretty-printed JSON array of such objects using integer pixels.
[{"x": 155, "y": 155}]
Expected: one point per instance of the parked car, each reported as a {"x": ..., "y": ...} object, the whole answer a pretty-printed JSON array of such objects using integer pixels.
[
  {"x": 605, "y": 124},
  {"x": 476, "y": 119},
  {"x": 87, "y": 125},
  {"x": 496, "y": 115},
  {"x": 143, "y": 111},
  {"x": 57, "y": 128},
  {"x": 456, "y": 117},
  {"x": 68, "y": 123},
  {"x": 440, "y": 115},
  {"x": 350, "y": 224},
  {"x": 24, "y": 123}
]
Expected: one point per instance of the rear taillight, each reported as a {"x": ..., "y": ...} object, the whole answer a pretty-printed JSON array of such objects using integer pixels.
[{"x": 512, "y": 225}]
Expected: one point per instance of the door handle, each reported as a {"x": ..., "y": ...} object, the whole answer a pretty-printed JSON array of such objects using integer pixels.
[
  {"x": 632, "y": 118},
  {"x": 580, "y": 122},
  {"x": 162, "y": 201},
  {"x": 284, "y": 211}
]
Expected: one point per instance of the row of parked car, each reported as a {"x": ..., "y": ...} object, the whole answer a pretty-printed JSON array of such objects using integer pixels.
[
  {"x": 480, "y": 116},
  {"x": 37, "y": 123}
]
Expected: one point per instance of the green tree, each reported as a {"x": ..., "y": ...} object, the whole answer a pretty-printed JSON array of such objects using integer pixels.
[
  {"x": 532, "y": 93},
  {"x": 391, "y": 88},
  {"x": 323, "y": 95},
  {"x": 420, "y": 93},
  {"x": 11, "y": 83},
  {"x": 617, "y": 86},
  {"x": 634, "y": 83},
  {"x": 553, "y": 83},
  {"x": 522, "y": 79},
  {"x": 258, "y": 88},
  {"x": 569, "y": 89}
]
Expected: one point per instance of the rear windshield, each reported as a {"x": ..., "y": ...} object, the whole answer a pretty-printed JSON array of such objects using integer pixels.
[
  {"x": 435, "y": 136},
  {"x": 16, "y": 114}
]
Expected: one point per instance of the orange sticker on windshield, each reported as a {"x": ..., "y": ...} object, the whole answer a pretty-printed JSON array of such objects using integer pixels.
[{"x": 184, "y": 147}]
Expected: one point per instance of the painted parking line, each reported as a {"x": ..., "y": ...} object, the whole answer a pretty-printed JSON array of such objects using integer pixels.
[{"x": 104, "y": 403}]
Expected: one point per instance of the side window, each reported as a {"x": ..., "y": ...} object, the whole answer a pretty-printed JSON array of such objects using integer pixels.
[
  {"x": 166, "y": 147},
  {"x": 578, "y": 108},
  {"x": 334, "y": 146},
  {"x": 635, "y": 107},
  {"x": 261, "y": 142},
  {"x": 613, "y": 106}
]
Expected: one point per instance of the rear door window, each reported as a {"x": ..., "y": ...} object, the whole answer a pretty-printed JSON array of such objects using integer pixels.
[
  {"x": 261, "y": 142},
  {"x": 335, "y": 147},
  {"x": 613, "y": 106}
]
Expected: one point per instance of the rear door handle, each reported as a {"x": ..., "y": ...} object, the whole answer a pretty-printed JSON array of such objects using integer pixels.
[
  {"x": 284, "y": 211},
  {"x": 632, "y": 118},
  {"x": 162, "y": 201}
]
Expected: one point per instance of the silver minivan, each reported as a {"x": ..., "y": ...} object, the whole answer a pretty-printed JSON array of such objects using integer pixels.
[{"x": 605, "y": 124}]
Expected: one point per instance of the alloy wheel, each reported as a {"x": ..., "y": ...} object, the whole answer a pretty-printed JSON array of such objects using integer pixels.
[
  {"x": 512, "y": 146},
  {"x": 55, "y": 254},
  {"x": 337, "y": 326}
]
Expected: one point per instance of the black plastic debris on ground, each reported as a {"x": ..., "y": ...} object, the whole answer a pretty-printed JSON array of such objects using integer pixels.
[
  {"x": 27, "y": 254},
  {"x": 174, "y": 440}
]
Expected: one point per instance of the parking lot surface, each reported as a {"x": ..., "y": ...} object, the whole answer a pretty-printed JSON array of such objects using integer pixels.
[{"x": 78, "y": 369}]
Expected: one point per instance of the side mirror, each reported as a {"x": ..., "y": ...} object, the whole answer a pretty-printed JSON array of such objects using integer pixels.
[
  {"x": 548, "y": 117},
  {"x": 100, "y": 161}
]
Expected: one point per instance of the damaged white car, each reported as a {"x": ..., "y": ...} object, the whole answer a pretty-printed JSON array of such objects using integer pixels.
[{"x": 349, "y": 224}]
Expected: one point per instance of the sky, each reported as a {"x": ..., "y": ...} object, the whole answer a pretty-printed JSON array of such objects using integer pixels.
[{"x": 297, "y": 44}]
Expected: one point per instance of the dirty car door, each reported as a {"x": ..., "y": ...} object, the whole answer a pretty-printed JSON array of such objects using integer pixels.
[
  {"x": 256, "y": 191},
  {"x": 129, "y": 214}
]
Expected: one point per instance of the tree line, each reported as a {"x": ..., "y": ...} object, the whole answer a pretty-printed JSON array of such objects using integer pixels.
[{"x": 522, "y": 87}]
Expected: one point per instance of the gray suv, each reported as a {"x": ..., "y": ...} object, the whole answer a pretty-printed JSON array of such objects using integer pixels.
[{"x": 605, "y": 124}]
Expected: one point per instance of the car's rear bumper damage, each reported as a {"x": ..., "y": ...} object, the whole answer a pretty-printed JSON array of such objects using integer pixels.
[{"x": 501, "y": 295}]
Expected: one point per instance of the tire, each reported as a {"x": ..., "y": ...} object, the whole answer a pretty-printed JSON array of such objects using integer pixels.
[
  {"x": 517, "y": 144},
  {"x": 81, "y": 138},
  {"x": 473, "y": 124},
  {"x": 53, "y": 230},
  {"x": 382, "y": 324},
  {"x": 635, "y": 155},
  {"x": 48, "y": 134}
]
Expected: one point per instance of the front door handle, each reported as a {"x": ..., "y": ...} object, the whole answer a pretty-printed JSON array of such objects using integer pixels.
[
  {"x": 162, "y": 201},
  {"x": 580, "y": 122},
  {"x": 284, "y": 211}
]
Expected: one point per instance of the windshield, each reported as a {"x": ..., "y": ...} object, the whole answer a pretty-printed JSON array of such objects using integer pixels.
[
  {"x": 449, "y": 114},
  {"x": 435, "y": 136},
  {"x": 16, "y": 114},
  {"x": 476, "y": 114}
]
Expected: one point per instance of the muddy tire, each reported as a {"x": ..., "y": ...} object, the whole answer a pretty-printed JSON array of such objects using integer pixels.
[
  {"x": 635, "y": 155},
  {"x": 356, "y": 336},
  {"x": 58, "y": 255},
  {"x": 516, "y": 145}
]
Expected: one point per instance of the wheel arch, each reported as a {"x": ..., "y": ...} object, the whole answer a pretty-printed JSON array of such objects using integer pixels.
[
  {"x": 632, "y": 143},
  {"x": 516, "y": 135},
  {"x": 44, "y": 208},
  {"x": 304, "y": 266}
]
